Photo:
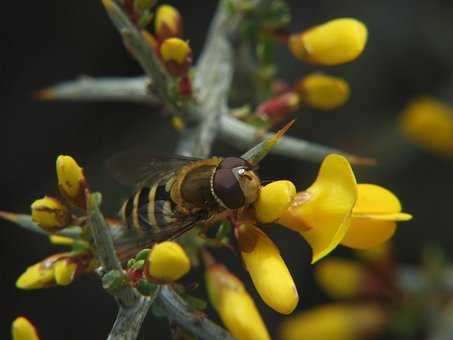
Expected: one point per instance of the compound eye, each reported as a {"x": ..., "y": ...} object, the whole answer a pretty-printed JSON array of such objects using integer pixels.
[{"x": 227, "y": 189}]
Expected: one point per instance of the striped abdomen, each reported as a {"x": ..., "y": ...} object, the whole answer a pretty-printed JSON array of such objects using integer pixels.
[{"x": 150, "y": 208}]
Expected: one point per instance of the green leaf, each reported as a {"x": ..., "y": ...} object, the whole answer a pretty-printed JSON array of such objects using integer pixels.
[
  {"x": 142, "y": 254},
  {"x": 130, "y": 263},
  {"x": 278, "y": 15},
  {"x": 138, "y": 265}
]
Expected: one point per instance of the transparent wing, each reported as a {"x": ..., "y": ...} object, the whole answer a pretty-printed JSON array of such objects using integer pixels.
[{"x": 138, "y": 167}]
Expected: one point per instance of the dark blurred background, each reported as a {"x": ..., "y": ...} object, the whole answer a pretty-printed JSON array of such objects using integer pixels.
[{"x": 410, "y": 52}]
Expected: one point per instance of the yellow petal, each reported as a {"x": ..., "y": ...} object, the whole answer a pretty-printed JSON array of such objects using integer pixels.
[
  {"x": 168, "y": 22},
  {"x": 339, "y": 322},
  {"x": 71, "y": 180},
  {"x": 323, "y": 92},
  {"x": 429, "y": 122},
  {"x": 175, "y": 49},
  {"x": 334, "y": 42},
  {"x": 64, "y": 272},
  {"x": 373, "y": 217},
  {"x": 340, "y": 278},
  {"x": 234, "y": 305},
  {"x": 22, "y": 329},
  {"x": 273, "y": 200},
  {"x": 50, "y": 214},
  {"x": 268, "y": 271},
  {"x": 168, "y": 261},
  {"x": 322, "y": 212},
  {"x": 36, "y": 276}
]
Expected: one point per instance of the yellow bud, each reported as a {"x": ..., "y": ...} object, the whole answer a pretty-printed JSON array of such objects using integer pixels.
[
  {"x": 273, "y": 200},
  {"x": 323, "y": 92},
  {"x": 176, "y": 50},
  {"x": 71, "y": 180},
  {"x": 334, "y": 42},
  {"x": 321, "y": 213},
  {"x": 234, "y": 305},
  {"x": 168, "y": 22},
  {"x": 429, "y": 123},
  {"x": 50, "y": 213},
  {"x": 150, "y": 40},
  {"x": 64, "y": 272},
  {"x": 340, "y": 278},
  {"x": 268, "y": 270},
  {"x": 178, "y": 123},
  {"x": 168, "y": 261},
  {"x": 22, "y": 329},
  {"x": 37, "y": 276},
  {"x": 339, "y": 322},
  {"x": 374, "y": 217},
  {"x": 61, "y": 240}
]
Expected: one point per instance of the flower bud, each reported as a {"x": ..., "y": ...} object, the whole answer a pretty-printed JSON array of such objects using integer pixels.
[
  {"x": 71, "y": 181},
  {"x": 429, "y": 123},
  {"x": 334, "y": 42},
  {"x": 177, "y": 56},
  {"x": 61, "y": 240},
  {"x": 278, "y": 107},
  {"x": 40, "y": 275},
  {"x": 273, "y": 200},
  {"x": 374, "y": 217},
  {"x": 323, "y": 92},
  {"x": 167, "y": 261},
  {"x": 336, "y": 321},
  {"x": 64, "y": 271},
  {"x": 268, "y": 270},
  {"x": 234, "y": 305},
  {"x": 341, "y": 278},
  {"x": 50, "y": 214},
  {"x": 168, "y": 22},
  {"x": 22, "y": 329},
  {"x": 150, "y": 40},
  {"x": 322, "y": 212}
]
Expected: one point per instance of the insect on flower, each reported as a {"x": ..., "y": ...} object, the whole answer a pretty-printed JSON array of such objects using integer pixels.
[{"x": 175, "y": 193}]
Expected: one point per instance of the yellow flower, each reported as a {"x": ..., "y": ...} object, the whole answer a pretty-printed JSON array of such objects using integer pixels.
[
  {"x": 22, "y": 329},
  {"x": 339, "y": 322},
  {"x": 178, "y": 123},
  {"x": 374, "y": 217},
  {"x": 429, "y": 122},
  {"x": 323, "y": 92},
  {"x": 176, "y": 50},
  {"x": 379, "y": 253},
  {"x": 334, "y": 42},
  {"x": 235, "y": 306},
  {"x": 64, "y": 272},
  {"x": 341, "y": 278},
  {"x": 71, "y": 180},
  {"x": 50, "y": 214},
  {"x": 40, "y": 275},
  {"x": 321, "y": 213},
  {"x": 168, "y": 261},
  {"x": 267, "y": 269},
  {"x": 168, "y": 22},
  {"x": 274, "y": 198}
]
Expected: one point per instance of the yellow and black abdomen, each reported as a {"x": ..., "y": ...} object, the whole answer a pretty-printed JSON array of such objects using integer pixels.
[{"x": 150, "y": 208}]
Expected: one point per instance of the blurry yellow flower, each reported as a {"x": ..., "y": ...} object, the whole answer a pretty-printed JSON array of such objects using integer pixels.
[
  {"x": 234, "y": 305},
  {"x": 334, "y": 42},
  {"x": 323, "y": 92},
  {"x": 341, "y": 278},
  {"x": 64, "y": 272},
  {"x": 40, "y": 275},
  {"x": 168, "y": 22},
  {"x": 178, "y": 123},
  {"x": 273, "y": 200},
  {"x": 71, "y": 180},
  {"x": 50, "y": 214},
  {"x": 168, "y": 261},
  {"x": 375, "y": 254},
  {"x": 22, "y": 329},
  {"x": 374, "y": 217},
  {"x": 321, "y": 213},
  {"x": 267, "y": 269},
  {"x": 339, "y": 322},
  {"x": 429, "y": 123},
  {"x": 176, "y": 50}
]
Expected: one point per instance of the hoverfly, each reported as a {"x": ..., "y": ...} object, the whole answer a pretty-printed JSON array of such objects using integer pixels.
[{"x": 176, "y": 193}]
